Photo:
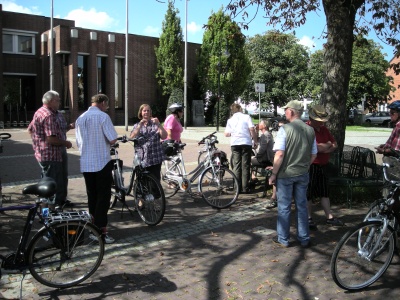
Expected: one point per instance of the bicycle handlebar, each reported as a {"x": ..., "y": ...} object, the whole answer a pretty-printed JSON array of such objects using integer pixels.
[{"x": 211, "y": 135}]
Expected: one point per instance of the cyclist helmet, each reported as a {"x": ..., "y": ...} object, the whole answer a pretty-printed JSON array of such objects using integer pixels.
[
  {"x": 176, "y": 107},
  {"x": 395, "y": 105}
]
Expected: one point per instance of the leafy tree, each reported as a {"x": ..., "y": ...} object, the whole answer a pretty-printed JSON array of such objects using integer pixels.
[
  {"x": 315, "y": 75},
  {"x": 341, "y": 26},
  {"x": 175, "y": 97},
  {"x": 367, "y": 74},
  {"x": 278, "y": 61},
  {"x": 223, "y": 62},
  {"x": 169, "y": 53}
]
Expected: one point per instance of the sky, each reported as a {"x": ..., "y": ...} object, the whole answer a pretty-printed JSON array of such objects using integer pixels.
[{"x": 146, "y": 17}]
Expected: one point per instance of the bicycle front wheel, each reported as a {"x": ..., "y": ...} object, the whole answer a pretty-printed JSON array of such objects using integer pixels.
[
  {"x": 354, "y": 266},
  {"x": 219, "y": 187},
  {"x": 170, "y": 186},
  {"x": 65, "y": 254},
  {"x": 149, "y": 199},
  {"x": 375, "y": 210}
]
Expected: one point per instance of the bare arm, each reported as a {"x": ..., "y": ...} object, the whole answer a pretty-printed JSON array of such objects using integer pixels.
[
  {"x": 278, "y": 159},
  {"x": 55, "y": 141}
]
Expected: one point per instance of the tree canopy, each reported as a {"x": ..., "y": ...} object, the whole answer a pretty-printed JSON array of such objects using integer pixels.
[
  {"x": 341, "y": 28},
  {"x": 223, "y": 66},
  {"x": 169, "y": 53},
  {"x": 278, "y": 61}
]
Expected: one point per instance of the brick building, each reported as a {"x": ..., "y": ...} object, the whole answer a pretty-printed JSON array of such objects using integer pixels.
[
  {"x": 86, "y": 62},
  {"x": 396, "y": 80}
]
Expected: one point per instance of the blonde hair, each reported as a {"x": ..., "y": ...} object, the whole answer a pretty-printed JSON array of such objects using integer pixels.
[
  {"x": 236, "y": 108},
  {"x": 141, "y": 109}
]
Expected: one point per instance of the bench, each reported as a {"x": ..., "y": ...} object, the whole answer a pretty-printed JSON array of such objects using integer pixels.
[{"x": 354, "y": 167}]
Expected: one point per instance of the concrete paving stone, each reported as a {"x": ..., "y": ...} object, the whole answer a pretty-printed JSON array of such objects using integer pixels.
[{"x": 196, "y": 252}]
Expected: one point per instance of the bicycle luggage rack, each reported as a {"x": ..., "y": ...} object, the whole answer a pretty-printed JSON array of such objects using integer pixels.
[{"x": 81, "y": 215}]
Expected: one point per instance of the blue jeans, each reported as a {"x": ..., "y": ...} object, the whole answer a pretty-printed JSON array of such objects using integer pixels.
[{"x": 286, "y": 189}]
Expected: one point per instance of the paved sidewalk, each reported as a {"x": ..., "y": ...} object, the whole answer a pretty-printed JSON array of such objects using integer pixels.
[{"x": 196, "y": 252}]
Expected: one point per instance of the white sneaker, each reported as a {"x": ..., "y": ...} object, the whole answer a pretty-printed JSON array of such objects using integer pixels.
[{"x": 107, "y": 239}]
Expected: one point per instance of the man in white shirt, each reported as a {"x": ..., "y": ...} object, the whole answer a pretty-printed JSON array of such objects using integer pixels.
[{"x": 94, "y": 135}]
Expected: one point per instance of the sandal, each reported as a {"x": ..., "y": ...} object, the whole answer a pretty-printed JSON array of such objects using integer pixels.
[{"x": 272, "y": 203}]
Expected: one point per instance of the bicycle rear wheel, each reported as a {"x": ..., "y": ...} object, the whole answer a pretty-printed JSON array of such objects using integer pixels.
[
  {"x": 219, "y": 189},
  {"x": 351, "y": 266},
  {"x": 65, "y": 254},
  {"x": 170, "y": 186},
  {"x": 149, "y": 199}
]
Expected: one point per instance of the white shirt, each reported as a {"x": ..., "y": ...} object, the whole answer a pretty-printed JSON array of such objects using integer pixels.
[
  {"x": 94, "y": 131},
  {"x": 239, "y": 127}
]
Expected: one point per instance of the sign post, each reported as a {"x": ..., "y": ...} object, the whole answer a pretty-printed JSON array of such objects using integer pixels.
[{"x": 260, "y": 88}]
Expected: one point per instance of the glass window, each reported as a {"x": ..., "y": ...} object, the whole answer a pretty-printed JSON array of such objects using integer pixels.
[
  {"x": 18, "y": 43},
  {"x": 7, "y": 43},
  {"x": 24, "y": 44},
  {"x": 101, "y": 75},
  {"x": 118, "y": 80},
  {"x": 82, "y": 82}
]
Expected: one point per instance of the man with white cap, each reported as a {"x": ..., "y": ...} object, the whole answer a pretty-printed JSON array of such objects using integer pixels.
[
  {"x": 318, "y": 186},
  {"x": 295, "y": 150}
]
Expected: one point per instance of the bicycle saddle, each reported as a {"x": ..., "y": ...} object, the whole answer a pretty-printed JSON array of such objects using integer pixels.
[{"x": 45, "y": 188}]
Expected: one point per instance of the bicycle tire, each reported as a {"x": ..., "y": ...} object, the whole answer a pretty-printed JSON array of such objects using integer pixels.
[
  {"x": 222, "y": 190},
  {"x": 116, "y": 193},
  {"x": 170, "y": 186},
  {"x": 65, "y": 254},
  {"x": 374, "y": 211},
  {"x": 4, "y": 136},
  {"x": 202, "y": 156},
  {"x": 149, "y": 199},
  {"x": 349, "y": 268}
]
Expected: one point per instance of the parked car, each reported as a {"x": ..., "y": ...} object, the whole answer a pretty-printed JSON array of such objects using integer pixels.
[
  {"x": 264, "y": 113},
  {"x": 378, "y": 118}
]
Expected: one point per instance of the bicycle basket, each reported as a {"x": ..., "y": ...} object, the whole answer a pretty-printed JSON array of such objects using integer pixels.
[{"x": 170, "y": 148}]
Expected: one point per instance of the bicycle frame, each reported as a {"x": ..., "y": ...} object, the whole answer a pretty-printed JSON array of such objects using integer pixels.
[
  {"x": 34, "y": 210},
  {"x": 185, "y": 182}
]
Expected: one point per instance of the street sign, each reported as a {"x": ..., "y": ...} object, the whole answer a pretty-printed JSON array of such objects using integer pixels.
[{"x": 260, "y": 87}]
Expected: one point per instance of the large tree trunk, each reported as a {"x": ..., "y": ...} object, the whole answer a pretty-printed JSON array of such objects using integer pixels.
[{"x": 340, "y": 18}]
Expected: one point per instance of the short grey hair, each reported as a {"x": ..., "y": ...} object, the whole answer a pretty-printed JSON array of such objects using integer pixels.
[{"x": 48, "y": 96}]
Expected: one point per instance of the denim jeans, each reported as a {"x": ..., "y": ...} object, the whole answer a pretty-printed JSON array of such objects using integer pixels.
[
  {"x": 286, "y": 190},
  {"x": 54, "y": 169}
]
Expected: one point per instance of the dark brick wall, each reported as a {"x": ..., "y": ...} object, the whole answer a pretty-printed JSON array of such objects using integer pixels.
[{"x": 142, "y": 66}]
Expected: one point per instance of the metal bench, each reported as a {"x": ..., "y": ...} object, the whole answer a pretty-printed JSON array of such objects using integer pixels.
[{"x": 354, "y": 167}]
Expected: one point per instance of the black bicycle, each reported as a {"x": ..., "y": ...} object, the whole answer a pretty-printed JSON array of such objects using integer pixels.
[
  {"x": 68, "y": 248},
  {"x": 148, "y": 195},
  {"x": 365, "y": 252}
]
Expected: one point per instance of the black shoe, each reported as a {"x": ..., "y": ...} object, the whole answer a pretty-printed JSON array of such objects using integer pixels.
[
  {"x": 67, "y": 203},
  {"x": 245, "y": 191},
  {"x": 308, "y": 245},
  {"x": 312, "y": 225}
]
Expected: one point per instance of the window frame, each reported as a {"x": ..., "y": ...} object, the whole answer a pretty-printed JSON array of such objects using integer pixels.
[{"x": 15, "y": 34}]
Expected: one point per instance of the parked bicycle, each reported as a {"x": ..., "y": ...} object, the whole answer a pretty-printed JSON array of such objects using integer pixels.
[
  {"x": 365, "y": 252},
  {"x": 67, "y": 250},
  {"x": 210, "y": 147},
  {"x": 148, "y": 195},
  {"x": 3, "y": 136},
  {"x": 217, "y": 184}
]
